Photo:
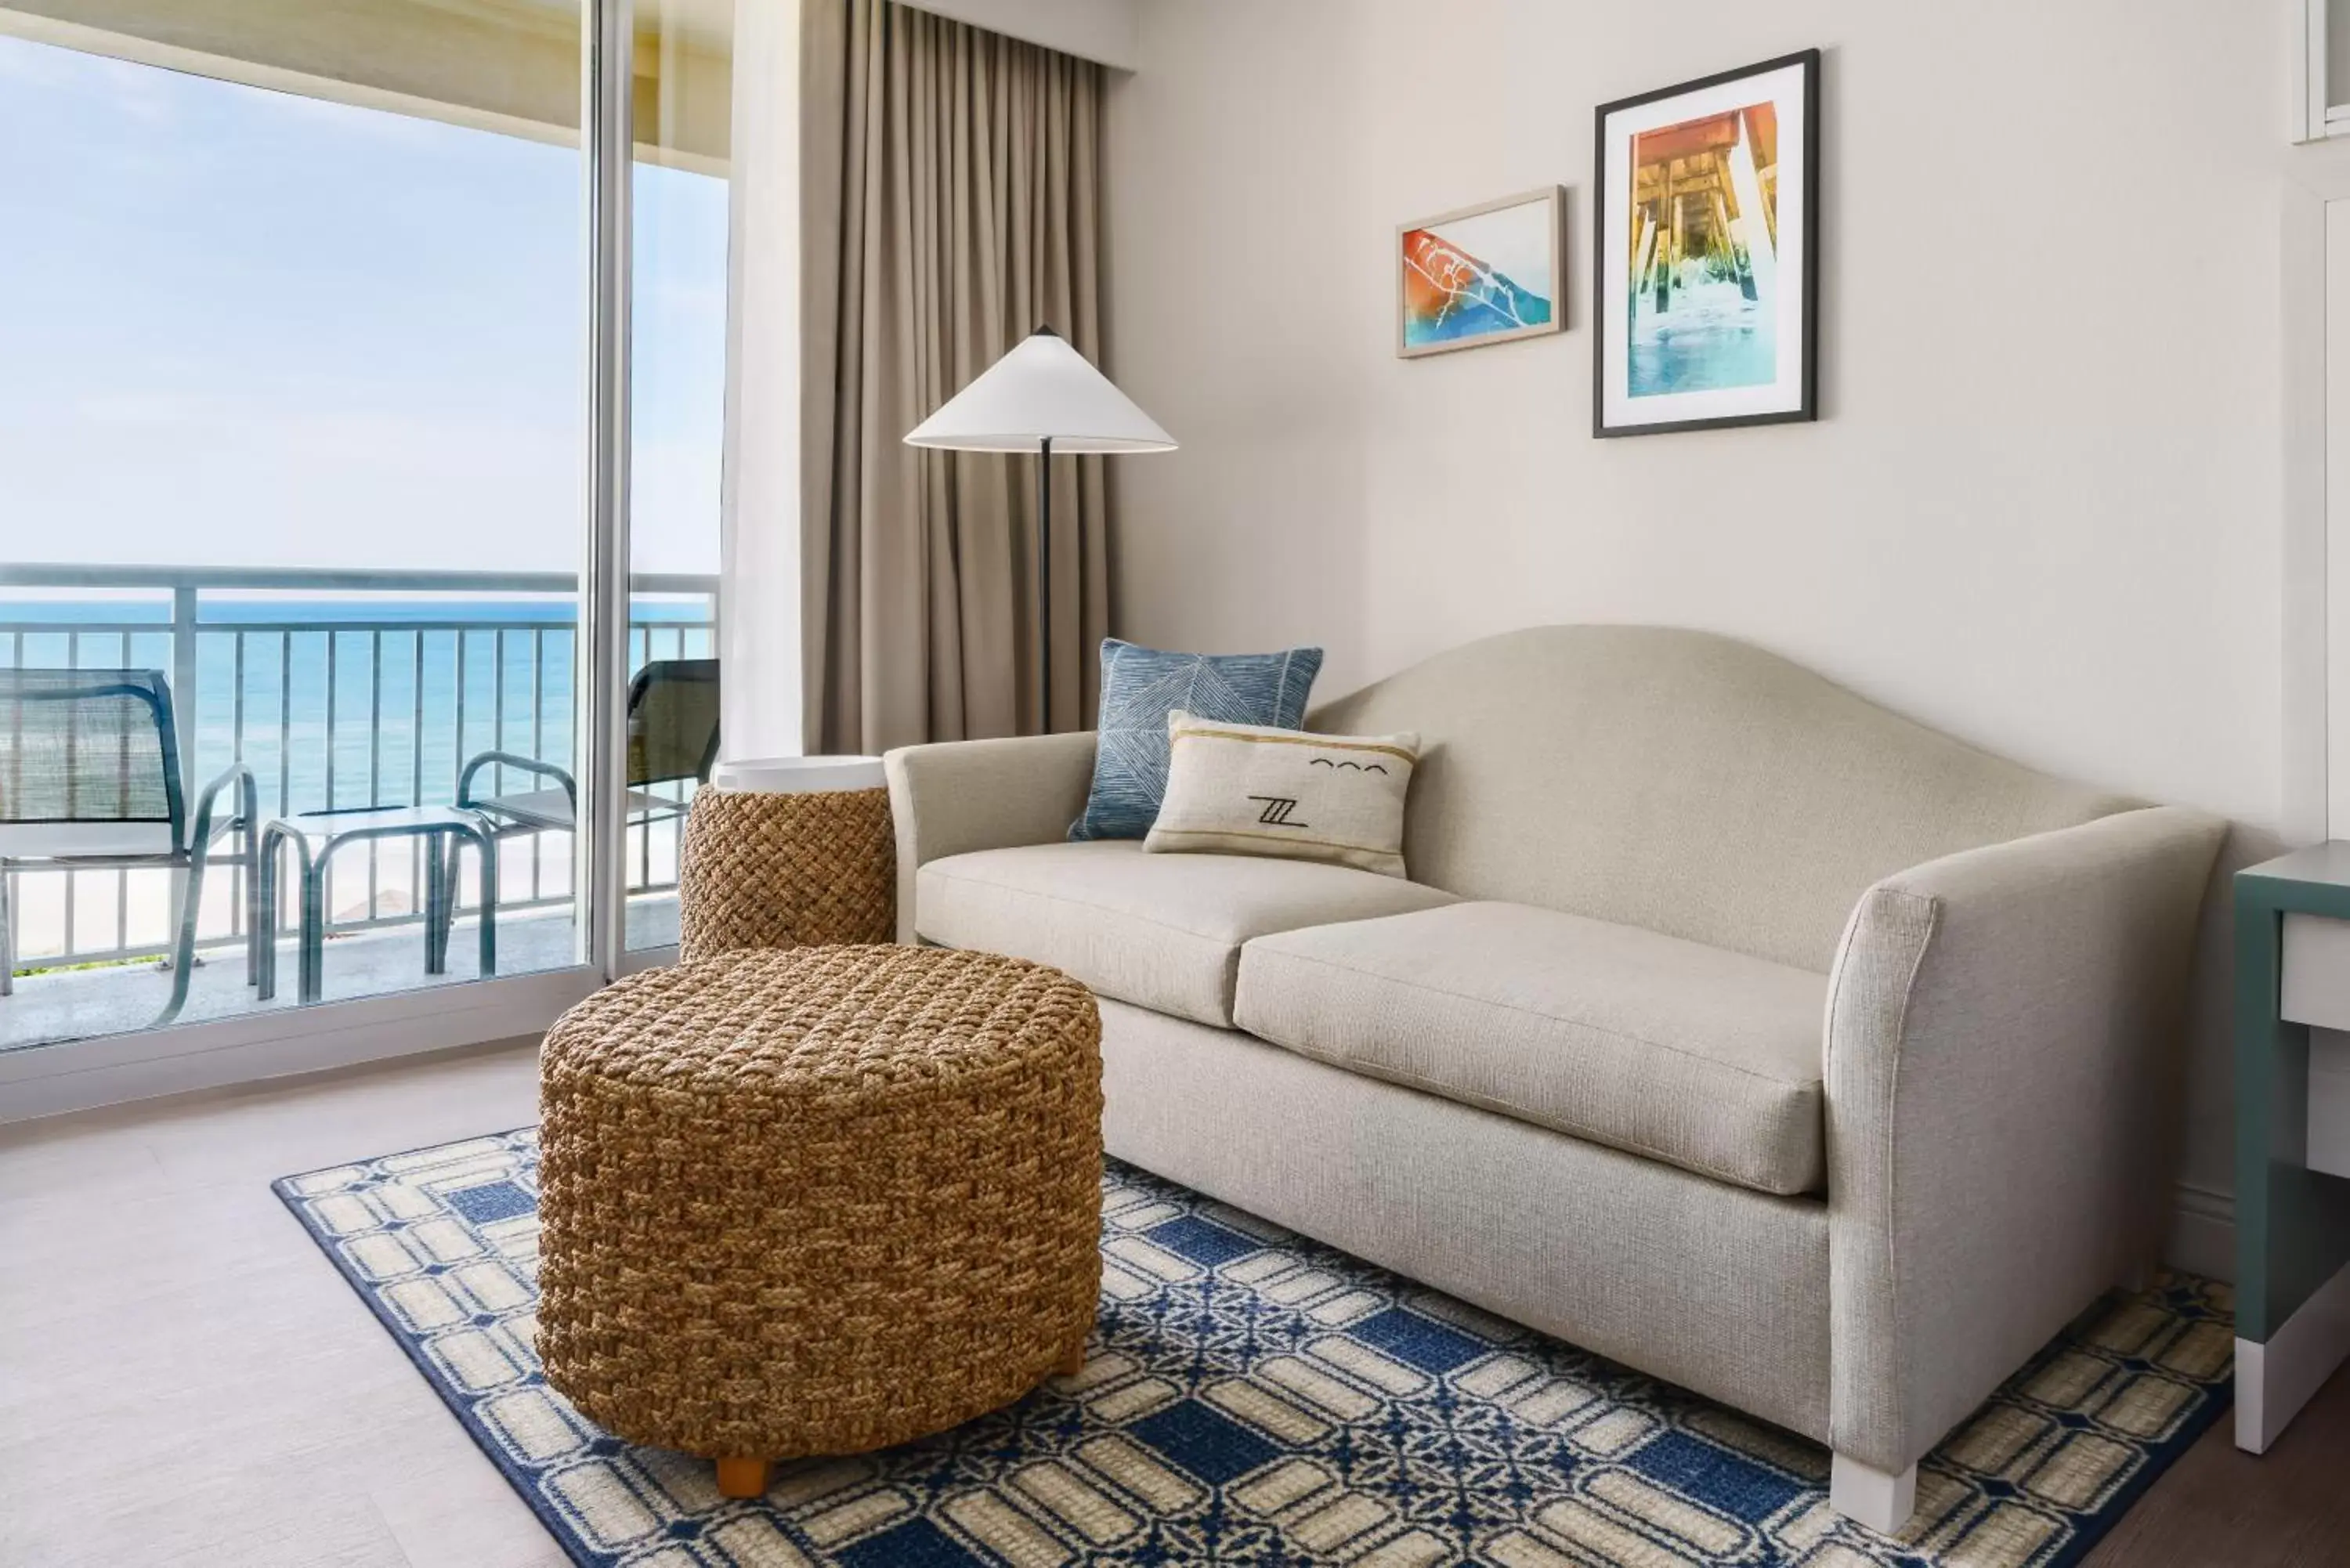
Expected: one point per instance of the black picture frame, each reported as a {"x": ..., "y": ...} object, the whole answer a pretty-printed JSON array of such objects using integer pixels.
[{"x": 1602, "y": 231}]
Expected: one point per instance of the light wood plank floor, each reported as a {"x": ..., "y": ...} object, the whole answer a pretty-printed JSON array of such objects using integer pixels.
[{"x": 184, "y": 1381}]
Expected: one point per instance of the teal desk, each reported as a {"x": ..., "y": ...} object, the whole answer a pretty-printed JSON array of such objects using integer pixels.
[{"x": 2293, "y": 1223}]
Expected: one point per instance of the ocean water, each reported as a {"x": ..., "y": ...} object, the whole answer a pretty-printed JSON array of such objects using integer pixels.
[
  {"x": 339, "y": 703},
  {"x": 1713, "y": 339}
]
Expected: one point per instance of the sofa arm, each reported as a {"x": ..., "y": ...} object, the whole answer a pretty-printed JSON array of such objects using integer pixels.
[
  {"x": 957, "y": 797},
  {"x": 2002, "y": 1031}
]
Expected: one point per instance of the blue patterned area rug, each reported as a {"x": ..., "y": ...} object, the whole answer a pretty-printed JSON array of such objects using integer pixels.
[{"x": 1254, "y": 1397}]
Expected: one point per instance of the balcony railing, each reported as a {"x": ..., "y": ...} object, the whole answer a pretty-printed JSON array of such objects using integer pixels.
[{"x": 338, "y": 690}]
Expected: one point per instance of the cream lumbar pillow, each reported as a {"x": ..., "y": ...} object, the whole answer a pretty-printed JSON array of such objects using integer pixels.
[{"x": 1253, "y": 789}]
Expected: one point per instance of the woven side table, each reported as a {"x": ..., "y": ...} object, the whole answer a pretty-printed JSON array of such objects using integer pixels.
[
  {"x": 817, "y": 1201},
  {"x": 795, "y": 852}
]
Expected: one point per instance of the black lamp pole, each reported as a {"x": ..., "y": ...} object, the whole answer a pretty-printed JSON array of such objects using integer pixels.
[{"x": 1044, "y": 586}]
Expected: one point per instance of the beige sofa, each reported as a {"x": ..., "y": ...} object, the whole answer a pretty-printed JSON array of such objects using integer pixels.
[{"x": 1732, "y": 1026}]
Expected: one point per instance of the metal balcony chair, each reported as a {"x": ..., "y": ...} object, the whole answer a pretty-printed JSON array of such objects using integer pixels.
[
  {"x": 90, "y": 780},
  {"x": 673, "y": 735}
]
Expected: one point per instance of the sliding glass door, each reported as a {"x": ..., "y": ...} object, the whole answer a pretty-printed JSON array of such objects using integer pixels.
[
  {"x": 316, "y": 408},
  {"x": 677, "y": 376}
]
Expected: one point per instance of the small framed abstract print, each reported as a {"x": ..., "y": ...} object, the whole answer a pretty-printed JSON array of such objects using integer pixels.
[
  {"x": 1705, "y": 287},
  {"x": 1481, "y": 274}
]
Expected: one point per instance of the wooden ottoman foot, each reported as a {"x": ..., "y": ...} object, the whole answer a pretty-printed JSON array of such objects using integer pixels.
[
  {"x": 1071, "y": 1364},
  {"x": 741, "y": 1477}
]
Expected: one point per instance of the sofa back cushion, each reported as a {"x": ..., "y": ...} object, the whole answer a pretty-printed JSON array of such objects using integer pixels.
[{"x": 1683, "y": 782}]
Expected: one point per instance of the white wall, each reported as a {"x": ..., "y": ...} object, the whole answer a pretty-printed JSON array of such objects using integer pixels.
[{"x": 2040, "y": 509}]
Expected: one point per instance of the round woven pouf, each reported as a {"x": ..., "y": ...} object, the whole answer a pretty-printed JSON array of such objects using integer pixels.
[{"x": 817, "y": 1201}]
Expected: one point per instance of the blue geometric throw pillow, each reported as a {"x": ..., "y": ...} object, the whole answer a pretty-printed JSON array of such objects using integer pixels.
[{"x": 1140, "y": 686}]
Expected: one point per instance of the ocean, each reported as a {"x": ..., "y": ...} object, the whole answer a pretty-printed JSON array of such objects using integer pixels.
[
  {"x": 344, "y": 702},
  {"x": 336, "y": 703}
]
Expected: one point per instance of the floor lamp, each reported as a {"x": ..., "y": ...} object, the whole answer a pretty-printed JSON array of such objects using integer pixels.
[{"x": 1043, "y": 397}]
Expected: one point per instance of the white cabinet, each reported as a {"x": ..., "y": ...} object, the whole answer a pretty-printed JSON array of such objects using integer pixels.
[{"x": 2316, "y": 992}]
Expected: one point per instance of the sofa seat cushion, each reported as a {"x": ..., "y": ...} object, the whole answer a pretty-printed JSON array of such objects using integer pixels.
[
  {"x": 1706, "y": 1059},
  {"x": 1161, "y": 931}
]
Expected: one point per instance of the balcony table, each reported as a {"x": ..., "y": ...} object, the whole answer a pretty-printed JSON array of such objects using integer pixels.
[{"x": 316, "y": 836}]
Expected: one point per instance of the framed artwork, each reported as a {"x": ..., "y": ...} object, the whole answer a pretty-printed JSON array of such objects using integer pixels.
[
  {"x": 1481, "y": 274},
  {"x": 1705, "y": 287}
]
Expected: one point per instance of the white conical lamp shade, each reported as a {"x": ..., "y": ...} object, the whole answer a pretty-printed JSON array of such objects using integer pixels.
[{"x": 1044, "y": 390}]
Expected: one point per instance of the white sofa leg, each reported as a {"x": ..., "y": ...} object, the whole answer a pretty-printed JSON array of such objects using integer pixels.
[{"x": 1866, "y": 1495}]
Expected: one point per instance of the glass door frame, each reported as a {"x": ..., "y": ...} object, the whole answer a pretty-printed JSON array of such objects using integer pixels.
[{"x": 607, "y": 162}]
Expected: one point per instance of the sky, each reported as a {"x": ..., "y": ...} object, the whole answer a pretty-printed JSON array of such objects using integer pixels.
[{"x": 241, "y": 328}]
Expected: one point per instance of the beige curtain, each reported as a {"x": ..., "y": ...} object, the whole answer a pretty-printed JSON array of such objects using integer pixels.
[{"x": 949, "y": 205}]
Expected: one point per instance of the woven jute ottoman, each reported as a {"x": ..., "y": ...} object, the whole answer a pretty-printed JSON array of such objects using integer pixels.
[
  {"x": 765, "y": 868},
  {"x": 817, "y": 1201}
]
